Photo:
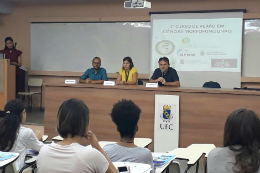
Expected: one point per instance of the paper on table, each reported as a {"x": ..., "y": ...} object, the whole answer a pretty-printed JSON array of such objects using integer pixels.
[
  {"x": 59, "y": 138},
  {"x": 44, "y": 137},
  {"x": 160, "y": 159},
  {"x": 5, "y": 156},
  {"x": 23, "y": 68}
]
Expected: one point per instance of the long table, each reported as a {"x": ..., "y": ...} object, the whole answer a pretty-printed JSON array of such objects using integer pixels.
[{"x": 203, "y": 112}]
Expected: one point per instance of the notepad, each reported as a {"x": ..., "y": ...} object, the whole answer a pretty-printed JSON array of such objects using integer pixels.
[
  {"x": 5, "y": 156},
  {"x": 160, "y": 159}
]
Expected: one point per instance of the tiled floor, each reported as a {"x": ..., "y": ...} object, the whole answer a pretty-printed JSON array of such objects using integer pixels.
[{"x": 36, "y": 117}]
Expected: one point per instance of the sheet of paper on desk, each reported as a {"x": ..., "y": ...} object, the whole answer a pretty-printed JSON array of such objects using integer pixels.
[
  {"x": 134, "y": 167},
  {"x": 5, "y": 156},
  {"x": 44, "y": 137},
  {"x": 59, "y": 138},
  {"x": 160, "y": 159}
]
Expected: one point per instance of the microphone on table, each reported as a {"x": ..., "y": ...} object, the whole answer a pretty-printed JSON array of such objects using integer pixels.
[{"x": 162, "y": 72}]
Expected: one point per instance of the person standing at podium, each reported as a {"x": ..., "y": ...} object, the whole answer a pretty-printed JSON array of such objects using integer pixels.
[
  {"x": 95, "y": 75},
  {"x": 165, "y": 75},
  {"x": 15, "y": 57}
]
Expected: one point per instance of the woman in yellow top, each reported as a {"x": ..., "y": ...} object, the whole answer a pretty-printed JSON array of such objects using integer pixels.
[{"x": 128, "y": 74}]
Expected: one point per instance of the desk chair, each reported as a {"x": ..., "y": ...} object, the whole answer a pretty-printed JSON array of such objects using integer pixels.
[
  {"x": 140, "y": 82},
  {"x": 203, "y": 148},
  {"x": 211, "y": 84},
  {"x": 12, "y": 169},
  {"x": 189, "y": 160},
  {"x": 32, "y": 82}
]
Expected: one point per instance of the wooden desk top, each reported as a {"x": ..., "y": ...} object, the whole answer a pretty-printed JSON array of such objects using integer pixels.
[{"x": 162, "y": 88}]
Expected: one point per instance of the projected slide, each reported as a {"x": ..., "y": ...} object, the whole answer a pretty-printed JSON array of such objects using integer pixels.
[{"x": 198, "y": 44}]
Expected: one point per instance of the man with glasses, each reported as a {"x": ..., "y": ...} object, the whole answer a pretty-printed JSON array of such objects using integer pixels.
[
  {"x": 95, "y": 75},
  {"x": 165, "y": 75}
]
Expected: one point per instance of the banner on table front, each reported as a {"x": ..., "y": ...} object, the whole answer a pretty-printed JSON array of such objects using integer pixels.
[{"x": 166, "y": 123}]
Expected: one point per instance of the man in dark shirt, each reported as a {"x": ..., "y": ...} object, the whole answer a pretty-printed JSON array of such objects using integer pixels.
[{"x": 165, "y": 75}]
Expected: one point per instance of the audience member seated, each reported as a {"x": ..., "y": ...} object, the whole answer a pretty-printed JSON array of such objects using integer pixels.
[
  {"x": 95, "y": 75},
  {"x": 241, "y": 145},
  {"x": 128, "y": 73},
  {"x": 71, "y": 155},
  {"x": 125, "y": 114},
  {"x": 13, "y": 136}
]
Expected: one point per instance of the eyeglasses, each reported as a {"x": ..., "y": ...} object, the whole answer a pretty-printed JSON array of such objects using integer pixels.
[{"x": 98, "y": 63}]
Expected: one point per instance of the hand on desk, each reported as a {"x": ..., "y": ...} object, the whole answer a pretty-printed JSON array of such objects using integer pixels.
[
  {"x": 121, "y": 83},
  {"x": 163, "y": 81},
  {"x": 88, "y": 80},
  {"x": 160, "y": 79}
]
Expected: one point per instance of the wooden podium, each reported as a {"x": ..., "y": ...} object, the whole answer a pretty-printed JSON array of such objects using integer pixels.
[{"x": 7, "y": 82}]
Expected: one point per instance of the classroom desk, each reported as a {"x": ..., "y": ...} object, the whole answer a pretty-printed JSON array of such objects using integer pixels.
[
  {"x": 134, "y": 167},
  {"x": 5, "y": 163},
  {"x": 203, "y": 112}
]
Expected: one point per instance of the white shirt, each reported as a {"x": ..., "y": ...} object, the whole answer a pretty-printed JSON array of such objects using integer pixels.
[
  {"x": 223, "y": 160},
  {"x": 26, "y": 140},
  {"x": 118, "y": 153},
  {"x": 76, "y": 158}
]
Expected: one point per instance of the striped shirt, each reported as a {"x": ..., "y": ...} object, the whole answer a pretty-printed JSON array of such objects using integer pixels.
[{"x": 118, "y": 153}]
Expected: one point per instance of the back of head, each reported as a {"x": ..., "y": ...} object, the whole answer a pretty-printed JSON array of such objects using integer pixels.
[
  {"x": 242, "y": 128},
  {"x": 10, "y": 124},
  {"x": 125, "y": 114},
  {"x": 72, "y": 118}
]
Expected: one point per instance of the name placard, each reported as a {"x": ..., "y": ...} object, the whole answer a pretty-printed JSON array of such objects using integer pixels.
[
  {"x": 109, "y": 83},
  {"x": 152, "y": 85},
  {"x": 70, "y": 81}
]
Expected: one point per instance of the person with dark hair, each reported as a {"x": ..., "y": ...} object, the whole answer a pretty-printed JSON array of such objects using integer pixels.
[
  {"x": 95, "y": 75},
  {"x": 165, "y": 75},
  {"x": 13, "y": 136},
  {"x": 128, "y": 73},
  {"x": 15, "y": 57},
  {"x": 70, "y": 155},
  {"x": 125, "y": 114},
  {"x": 241, "y": 145}
]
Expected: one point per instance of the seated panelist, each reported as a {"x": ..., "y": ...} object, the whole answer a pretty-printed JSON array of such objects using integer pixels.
[
  {"x": 165, "y": 75},
  {"x": 128, "y": 74},
  {"x": 95, "y": 75}
]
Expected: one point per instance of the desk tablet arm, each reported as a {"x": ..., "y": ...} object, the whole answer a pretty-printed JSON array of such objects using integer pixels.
[{"x": 29, "y": 163}]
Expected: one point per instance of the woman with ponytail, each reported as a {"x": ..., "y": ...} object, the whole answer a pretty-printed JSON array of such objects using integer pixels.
[
  {"x": 13, "y": 136},
  {"x": 15, "y": 57},
  {"x": 240, "y": 153}
]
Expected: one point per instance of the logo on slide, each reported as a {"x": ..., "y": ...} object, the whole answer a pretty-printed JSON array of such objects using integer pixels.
[
  {"x": 193, "y": 62},
  {"x": 184, "y": 52},
  {"x": 202, "y": 53},
  {"x": 216, "y": 53},
  {"x": 166, "y": 116},
  {"x": 224, "y": 63},
  {"x": 185, "y": 40},
  {"x": 164, "y": 47}
]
